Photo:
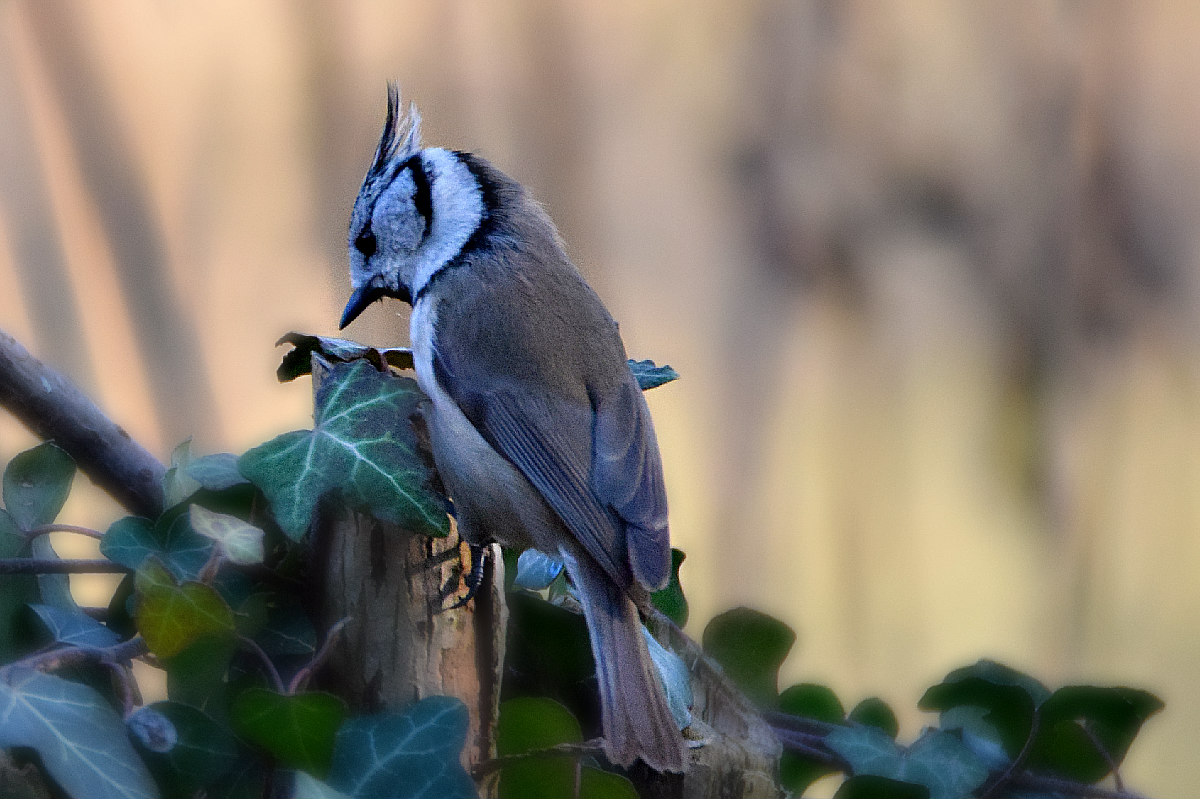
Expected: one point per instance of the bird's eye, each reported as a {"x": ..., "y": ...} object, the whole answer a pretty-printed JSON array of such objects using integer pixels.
[{"x": 364, "y": 242}]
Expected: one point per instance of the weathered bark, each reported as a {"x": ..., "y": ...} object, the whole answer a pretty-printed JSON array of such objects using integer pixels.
[
  {"x": 399, "y": 643},
  {"x": 55, "y": 409}
]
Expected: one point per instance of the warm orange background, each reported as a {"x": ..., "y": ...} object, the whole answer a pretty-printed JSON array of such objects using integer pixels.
[{"x": 929, "y": 270}]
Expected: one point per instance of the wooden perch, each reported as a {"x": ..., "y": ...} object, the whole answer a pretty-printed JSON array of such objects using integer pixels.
[{"x": 56, "y": 410}]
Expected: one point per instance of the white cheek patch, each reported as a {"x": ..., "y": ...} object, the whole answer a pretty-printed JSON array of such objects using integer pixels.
[{"x": 457, "y": 203}]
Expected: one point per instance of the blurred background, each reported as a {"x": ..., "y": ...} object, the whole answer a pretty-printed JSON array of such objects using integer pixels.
[{"x": 929, "y": 270}]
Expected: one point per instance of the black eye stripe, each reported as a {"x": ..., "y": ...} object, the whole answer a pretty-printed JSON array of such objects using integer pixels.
[{"x": 422, "y": 196}]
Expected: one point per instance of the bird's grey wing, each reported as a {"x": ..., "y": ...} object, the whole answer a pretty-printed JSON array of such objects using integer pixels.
[
  {"x": 627, "y": 477},
  {"x": 536, "y": 434}
]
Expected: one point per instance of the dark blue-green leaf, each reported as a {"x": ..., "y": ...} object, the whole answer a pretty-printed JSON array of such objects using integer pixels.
[
  {"x": 750, "y": 646},
  {"x": 874, "y": 712},
  {"x": 1007, "y": 697},
  {"x": 362, "y": 448},
  {"x": 1078, "y": 721},
  {"x": 203, "y": 752},
  {"x": 869, "y": 786},
  {"x": 129, "y": 541},
  {"x": 671, "y": 600},
  {"x": 404, "y": 755},
  {"x": 297, "y": 729},
  {"x": 216, "y": 472},
  {"x": 81, "y": 740},
  {"x": 649, "y": 376},
  {"x": 17, "y": 631},
  {"x": 812, "y": 701},
  {"x": 36, "y": 484},
  {"x": 75, "y": 627},
  {"x": 938, "y": 760}
]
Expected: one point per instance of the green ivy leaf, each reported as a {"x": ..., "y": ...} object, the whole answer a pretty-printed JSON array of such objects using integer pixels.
[
  {"x": 874, "y": 712},
  {"x": 869, "y": 786},
  {"x": 239, "y": 541},
  {"x": 650, "y": 376},
  {"x": 529, "y": 724},
  {"x": 196, "y": 674},
  {"x": 216, "y": 472},
  {"x": 402, "y": 755},
  {"x": 171, "y": 616},
  {"x": 297, "y": 729},
  {"x": 750, "y": 646},
  {"x": 36, "y": 484},
  {"x": 171, "y": 540},
  {"x": 75, "y": 627},
  {"x": 938, "y": 760},
  {"x": 1007, "y": 697},
  {"x": 204, "y": 751},
  {"x": 81, "y": 741},
  {"x": 671, "y": 600},
  {"x": 362, "y": 447},
  {"x": 1078, "y": 717},
  {"x": 812, "y": 701},
  {"x": 17, "y": 635},
  {"x": 178, "y": 484}
]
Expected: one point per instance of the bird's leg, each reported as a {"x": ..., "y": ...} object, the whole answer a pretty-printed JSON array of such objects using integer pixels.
[{"x": 474, "y": 577}]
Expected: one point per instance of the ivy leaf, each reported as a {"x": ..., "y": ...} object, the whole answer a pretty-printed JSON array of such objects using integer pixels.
[
  {"x": 17, "y": 634},
  {"x": 36, "y": 484},
  {"x": 671, "y": 600},
  {"x": 529, "y": 724},
  {"x": 1076, "y": 719},
  {"x": 750, "y": 646},
  {"x": 869, "y": 786},
  {"x": 171, "y": 616},
  {"x": 297, "y": 729},
  {"x": 178, "y": 484},
  {"x": 938, "y": 760},
  {"x": 1007, "y": 697},
  {"x": 812, "y": 701},
  {"x": 649, "y": 376},
  {"x": 403, "y": 755},
  {"x": 874, "y": 712},
  {"x": 298, "y": 361},
  {"x": 536, "y": 570},
  {"x": 171, "y": 540},
  {"x": 203, "y": 752},
  {"x": 239, "y": 541},
  {"x": 362, "y": 447},
  {"x": 75, "y": 627},
  {"x": 81, "y": 741},
  {"x": 216, "y": 472}
]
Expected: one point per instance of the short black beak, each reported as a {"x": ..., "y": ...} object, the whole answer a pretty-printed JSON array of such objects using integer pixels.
[{"x": 359, "y": 300}]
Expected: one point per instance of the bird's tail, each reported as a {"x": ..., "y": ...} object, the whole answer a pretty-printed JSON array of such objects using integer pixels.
[{"x": 637, "y": 721}]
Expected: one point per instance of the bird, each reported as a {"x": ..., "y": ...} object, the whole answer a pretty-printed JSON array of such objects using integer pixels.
[{"x": 539, "y": 430}]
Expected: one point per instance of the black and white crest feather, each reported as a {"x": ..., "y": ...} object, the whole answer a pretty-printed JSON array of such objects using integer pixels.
[{"x": 401, "y": 135}]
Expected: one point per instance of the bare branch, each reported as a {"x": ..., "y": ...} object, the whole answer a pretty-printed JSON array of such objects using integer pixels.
[
  {"x": 56, "y": 410},
  {"x": 57, "y": 566}
]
